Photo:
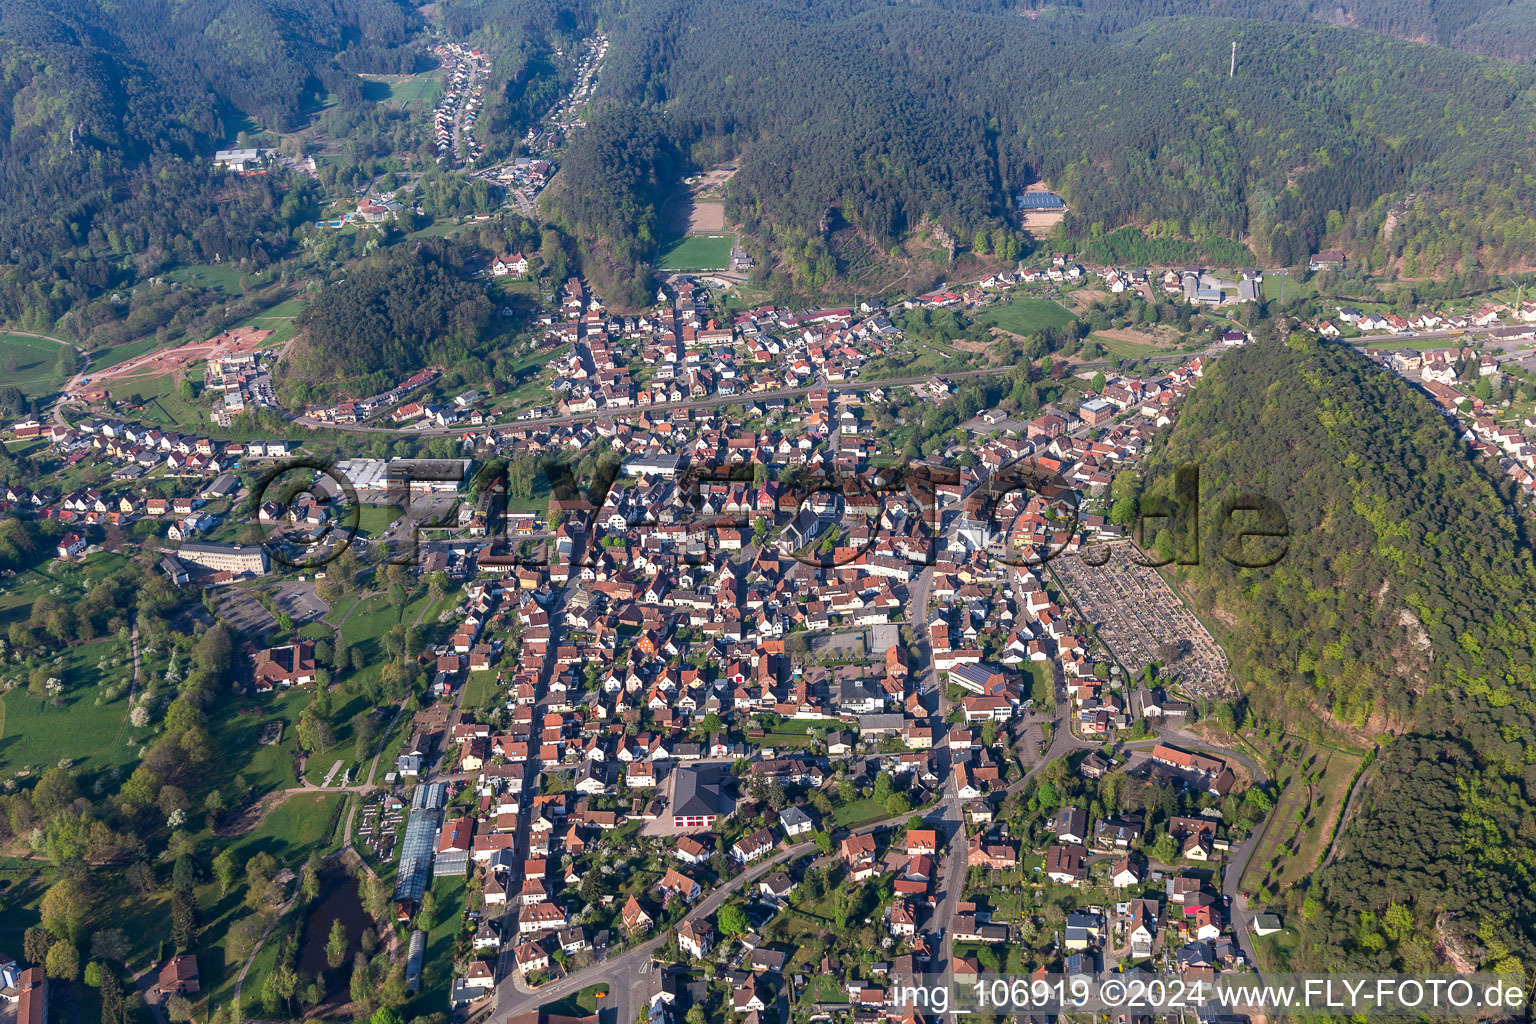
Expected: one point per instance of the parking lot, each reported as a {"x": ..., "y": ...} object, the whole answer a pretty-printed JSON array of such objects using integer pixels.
[
  {"x": 299, "y": 601},
  {"x": 245, "y": 614}
]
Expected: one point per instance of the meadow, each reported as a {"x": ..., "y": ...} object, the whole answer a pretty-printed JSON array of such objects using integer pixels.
[
  {"x": 29, "y": 364},
  {"x": 1026, "y": 316}
]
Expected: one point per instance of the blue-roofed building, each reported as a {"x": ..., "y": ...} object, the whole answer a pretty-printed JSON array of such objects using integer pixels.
[{"x": 1040, "y": 201}]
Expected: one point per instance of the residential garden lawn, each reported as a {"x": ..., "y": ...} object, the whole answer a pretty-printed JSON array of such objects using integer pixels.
[
  {"x": 859, "y": 812},
  {"x": 28, "y": 364},
  {"x": 1119, "y": 348},
  {"x": 1025, "y": 316},
  {"x": 1006, "y": 906},
  {"x": 581, "y": 1004},
  {"x": 823, "y": 988},
  {"x": 479, "y": 690},
  {"x": 782, "y": 739},
  {"x": 697, "y": 252}
]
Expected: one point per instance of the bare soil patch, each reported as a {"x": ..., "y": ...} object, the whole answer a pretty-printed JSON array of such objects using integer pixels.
[
  {"x": 174, "y": 360},
  {"x": 1083, "y": 298}
]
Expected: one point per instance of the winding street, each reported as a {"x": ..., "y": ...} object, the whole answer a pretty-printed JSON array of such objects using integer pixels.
[{"x": 626, "y": 972}]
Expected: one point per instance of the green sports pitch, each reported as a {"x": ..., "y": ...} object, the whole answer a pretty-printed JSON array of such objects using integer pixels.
[{"x": 697, "y": 252}]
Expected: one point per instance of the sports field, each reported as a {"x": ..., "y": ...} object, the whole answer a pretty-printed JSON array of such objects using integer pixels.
[
  {"x": 697, "y": 252},
  {"x": 400, "y": 90}
]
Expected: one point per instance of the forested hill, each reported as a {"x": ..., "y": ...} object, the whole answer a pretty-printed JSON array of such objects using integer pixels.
[
  {"x": 1495, "y": 28},
  {"x": 1408, "y": 593},
  {"x": 1405, "y": 605},
  {"x": 522, "y": 37},
  {"x": 94, "y": 94},
  {"x": 398, "y": 311},
  {"x": 893, "y": 115}
]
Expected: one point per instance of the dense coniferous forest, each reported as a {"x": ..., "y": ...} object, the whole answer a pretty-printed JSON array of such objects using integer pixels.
[
  {"x": 892, "y": 116},
  {"x": 1404, "y": 604},
  {"x": 410, "y": 306}
]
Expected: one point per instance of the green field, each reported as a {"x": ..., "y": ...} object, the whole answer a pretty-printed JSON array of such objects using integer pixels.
[
  {"x": 697, "y": 252},
  {"x": 1025, "y": 316},
  {"x": 163, "y": 405},
  {"x": 67, "y": 582},
  {"x": 373, "y": 519},
  {"x": 1292, "y": 284},
  {"x": 122, "y": 353},
  {"x": 859, "y": 812},
  {"x": 221, "y": 277},
  {"x": 28, "y": 364},
  {"x": 581, "y": 1004},
  {"x": 1119, "y": 348},
  {"x": 293, "y": 828},
  {"x": 400, "y": 90},
  {"x": 35, "y": 734}
]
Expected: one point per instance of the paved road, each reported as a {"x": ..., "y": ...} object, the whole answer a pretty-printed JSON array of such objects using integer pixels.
[
  {"x": 950, "y": 821},
  {"x": 715, "y": 400},
  {"x": 1182, "y": 738},
  {"x": 1239, "y": 912},
  {"x": 624, "y": 969},
  {"x": 620, "y": 972}
]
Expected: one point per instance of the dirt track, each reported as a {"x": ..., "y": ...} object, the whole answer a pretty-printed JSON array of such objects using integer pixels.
[{"x": 174, "y": 360}]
